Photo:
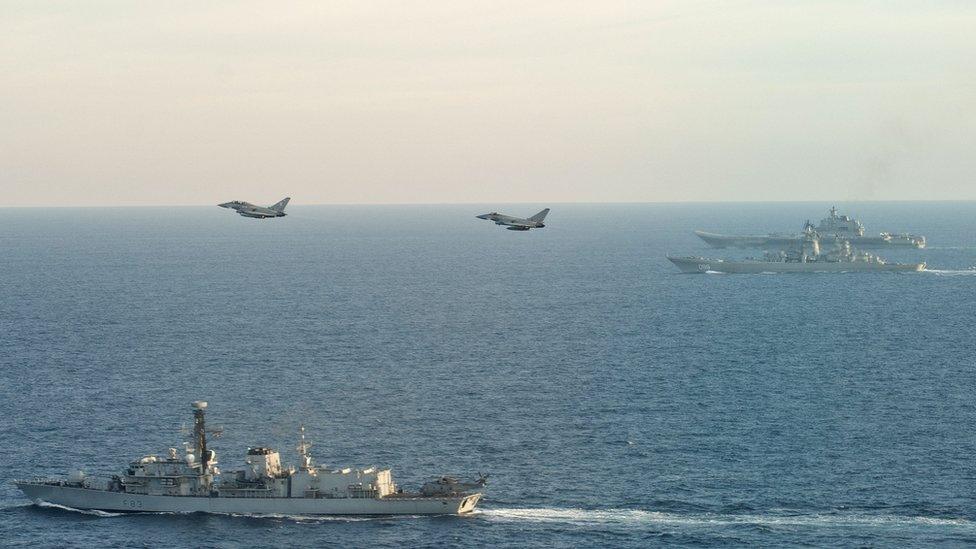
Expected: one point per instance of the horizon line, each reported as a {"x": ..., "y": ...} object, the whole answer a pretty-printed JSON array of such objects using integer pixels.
[{"x": 300, "y": 204}]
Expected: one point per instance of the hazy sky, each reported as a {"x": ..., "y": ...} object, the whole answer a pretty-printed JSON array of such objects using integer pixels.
[{"x": 118, "y": 103}]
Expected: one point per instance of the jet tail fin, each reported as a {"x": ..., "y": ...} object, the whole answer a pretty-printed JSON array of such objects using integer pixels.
[
  {"x": 539, "y": 216},
  {"x": 280, "y": 206}
]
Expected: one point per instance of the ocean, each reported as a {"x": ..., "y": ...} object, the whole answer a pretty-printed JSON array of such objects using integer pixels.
[{"x": 614, "y": 401}]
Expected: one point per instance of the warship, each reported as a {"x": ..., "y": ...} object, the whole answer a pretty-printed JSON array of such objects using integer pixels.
[
  {"x": 193, "y": 483},
  {"x": 805, "y": 258},
  {"x": 834, "y": 228}
]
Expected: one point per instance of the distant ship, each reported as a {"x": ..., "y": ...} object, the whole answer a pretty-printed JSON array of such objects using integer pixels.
[
  {"x": 193, "y": 483},
  {"x": 833, "y": 228},
  {"x": 807, "y": 258}
]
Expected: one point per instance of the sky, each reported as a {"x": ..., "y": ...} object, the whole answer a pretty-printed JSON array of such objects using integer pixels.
[{"x": 110, "y": 103}]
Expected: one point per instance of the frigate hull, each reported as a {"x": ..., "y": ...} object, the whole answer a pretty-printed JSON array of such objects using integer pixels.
[
  {"x": 103, "y": 500},
  {"x": 704, "y": 265}
]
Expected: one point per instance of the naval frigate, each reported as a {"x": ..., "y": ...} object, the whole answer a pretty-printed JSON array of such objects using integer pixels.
[
  {"x": 805, "y": 258},
  {"x": 193, "y": 483},
  {"x": 834, "y": 228}
]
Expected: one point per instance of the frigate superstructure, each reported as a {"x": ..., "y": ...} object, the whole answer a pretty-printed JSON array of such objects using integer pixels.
[
  {"x": 805, "y": 258},
  {"x": 193, "y": 483},
  {"x": 834, "y": 228}
]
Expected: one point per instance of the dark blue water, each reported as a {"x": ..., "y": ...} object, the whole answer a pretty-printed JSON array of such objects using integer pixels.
[{"x": 614, "y": 401}]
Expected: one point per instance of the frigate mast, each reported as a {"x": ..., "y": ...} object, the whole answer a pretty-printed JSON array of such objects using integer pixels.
[
  {"x": 200, "y": 432},
  {"x": 303, "y": 446}
]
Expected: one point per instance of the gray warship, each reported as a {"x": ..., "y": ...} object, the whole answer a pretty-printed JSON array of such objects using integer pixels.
[
  {"x": 192, "y": 483},
  {"x": 834, "y": 228},
  {"x": 807, "y": 257}
]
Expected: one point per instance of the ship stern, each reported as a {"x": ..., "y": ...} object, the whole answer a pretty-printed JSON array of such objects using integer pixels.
[{"x": 468, "y": 504}]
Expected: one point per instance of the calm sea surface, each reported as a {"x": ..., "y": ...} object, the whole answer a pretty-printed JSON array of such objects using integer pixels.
[{"x": 614, "y": 401}]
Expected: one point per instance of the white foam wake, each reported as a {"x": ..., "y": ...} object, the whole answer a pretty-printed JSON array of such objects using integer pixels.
[
  {"x": 93, "y": 512},
  {"x": 625, "y": 518},
  {"x": 636, "y": 517},
  {"x": 273, "y": 516},
  {"x": 321, "y": 518},
  {"x": 951, "y": 272}
]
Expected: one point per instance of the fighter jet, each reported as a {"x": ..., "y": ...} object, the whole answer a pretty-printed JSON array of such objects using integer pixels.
[
  {"x": 516, "y": 223},
  {"x": 250, "y": 210}
]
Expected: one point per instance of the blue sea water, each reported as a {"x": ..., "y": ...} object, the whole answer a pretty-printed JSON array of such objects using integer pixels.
[{"x": 615, "y": 401}]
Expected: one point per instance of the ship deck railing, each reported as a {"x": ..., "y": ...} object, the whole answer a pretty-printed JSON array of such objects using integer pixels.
[
  {"x": 41, "y": 480},
  {"x": 92, "y": 482}
]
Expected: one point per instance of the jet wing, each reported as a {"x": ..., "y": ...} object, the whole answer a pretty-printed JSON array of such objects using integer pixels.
[{"x": 508, "y": 220}]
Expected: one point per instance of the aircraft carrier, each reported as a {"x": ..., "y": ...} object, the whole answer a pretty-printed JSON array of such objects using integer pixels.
[
  {"x": 807, "y": 258},
  {"x": 193, "y": 483},
  {"x": 834, "y": 228}
]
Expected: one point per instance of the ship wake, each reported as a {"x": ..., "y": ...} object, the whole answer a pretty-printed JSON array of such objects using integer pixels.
[
  {"x": 265, "y": 516},
  {"x": 92, "y": 512},
  {"x": 323, "y": 518},
  {"x": 637, "y": 518},
  {"x": 952, "y": 272}
]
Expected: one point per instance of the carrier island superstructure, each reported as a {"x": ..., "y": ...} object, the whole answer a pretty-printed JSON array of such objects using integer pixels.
[{"x": 192, "y": 482}]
